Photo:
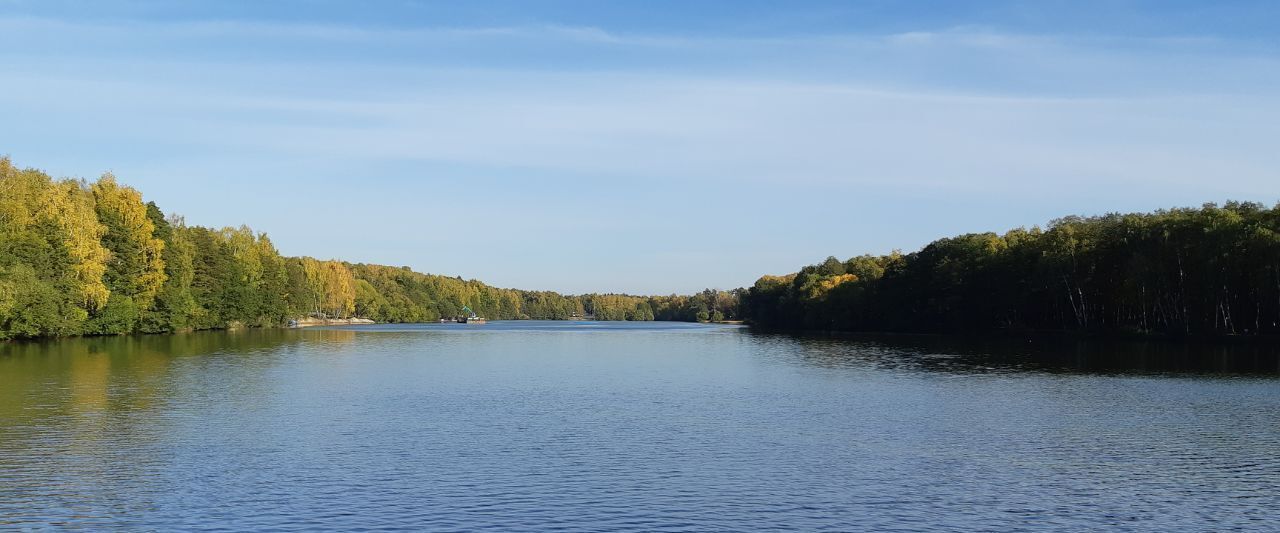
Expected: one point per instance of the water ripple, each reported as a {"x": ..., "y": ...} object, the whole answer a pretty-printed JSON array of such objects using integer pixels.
[{"x": 618, "y": 429}]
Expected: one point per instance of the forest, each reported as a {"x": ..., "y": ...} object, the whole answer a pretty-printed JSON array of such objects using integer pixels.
[
  {"x": 1191, "y": 272},
  {"x": 80, "y": 258}
]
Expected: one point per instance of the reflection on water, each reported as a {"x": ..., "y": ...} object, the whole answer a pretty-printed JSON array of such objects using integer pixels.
[
  {"x": 73, "y": 412},
  {"x": 589, "y": 426},
  {"x": 961, "y": 354},
  {"x": 84, "y": 375}
]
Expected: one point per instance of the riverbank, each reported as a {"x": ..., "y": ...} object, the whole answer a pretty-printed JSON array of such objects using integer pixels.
[
  {"x": 1031, "y": 335},
  {"x": 312, "y": 322}
]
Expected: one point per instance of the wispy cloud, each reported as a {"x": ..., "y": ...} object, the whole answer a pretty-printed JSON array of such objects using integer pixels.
[
  {"x": 813, "y": 130},
  {"x": 37, "y": 28},
  {"x": 871, "y": 121}
]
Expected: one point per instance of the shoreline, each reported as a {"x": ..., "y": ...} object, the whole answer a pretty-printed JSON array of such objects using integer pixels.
[
  {"x": 313, "y": 322},
  {"x": 1044, "y": 336}
]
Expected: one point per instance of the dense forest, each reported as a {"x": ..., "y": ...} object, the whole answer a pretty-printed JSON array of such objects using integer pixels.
[
  {"x": 79, "y": 258},
  {"x": 1211, "y": 271}
]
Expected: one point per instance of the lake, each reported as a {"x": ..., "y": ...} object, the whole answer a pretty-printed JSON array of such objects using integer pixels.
[{"x": 633, "y": 426}]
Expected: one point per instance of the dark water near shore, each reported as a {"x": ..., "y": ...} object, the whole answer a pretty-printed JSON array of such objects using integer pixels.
[{"x": 621, "y": 426}]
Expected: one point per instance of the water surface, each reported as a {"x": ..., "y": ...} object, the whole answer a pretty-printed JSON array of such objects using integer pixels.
[{"x": 633, "y": 426}]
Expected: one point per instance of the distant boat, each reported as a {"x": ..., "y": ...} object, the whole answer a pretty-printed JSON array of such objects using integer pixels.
[{"x": 473, "y": 319}]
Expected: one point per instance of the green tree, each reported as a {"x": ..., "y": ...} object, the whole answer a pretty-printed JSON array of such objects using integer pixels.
[{"x": 136, "y": 265}]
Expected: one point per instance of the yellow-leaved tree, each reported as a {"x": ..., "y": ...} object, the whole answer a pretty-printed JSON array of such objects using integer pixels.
[
  {"x": 136, "y": 265},
  {"x": 330, "y": 287},
  {"x": 68, "y": 208},
  {"x": 340, "y": 289}
]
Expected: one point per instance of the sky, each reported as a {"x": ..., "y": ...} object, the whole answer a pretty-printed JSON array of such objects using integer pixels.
[{"x": 645, "y": 147}]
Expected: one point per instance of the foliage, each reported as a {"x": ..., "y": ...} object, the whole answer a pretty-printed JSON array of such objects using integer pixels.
[
  {"x": 136, "y": 266},
  {"x": 80, "y": 259},
  {"x": 1207, "y": 271}
]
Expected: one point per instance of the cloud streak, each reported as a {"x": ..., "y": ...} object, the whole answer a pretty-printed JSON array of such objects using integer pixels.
[{"x": 813, "y": 131}]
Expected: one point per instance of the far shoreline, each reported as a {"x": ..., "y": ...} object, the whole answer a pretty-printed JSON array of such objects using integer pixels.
[{"x": 315, "y": 322}]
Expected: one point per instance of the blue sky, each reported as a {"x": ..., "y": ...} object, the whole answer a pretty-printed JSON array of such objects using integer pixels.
[{"x": 647, "y": 147}]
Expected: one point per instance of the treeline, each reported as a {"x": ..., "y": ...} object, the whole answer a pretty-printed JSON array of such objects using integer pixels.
[
  {"x": 391, "y": 294},
  {"x": 79, "y": 258},
  {"x": 707, "y": 306},
  {"x": 1182, "y": 272}
]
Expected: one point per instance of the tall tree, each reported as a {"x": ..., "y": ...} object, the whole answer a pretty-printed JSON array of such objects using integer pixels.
[{"x": 135, "y": 268}]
